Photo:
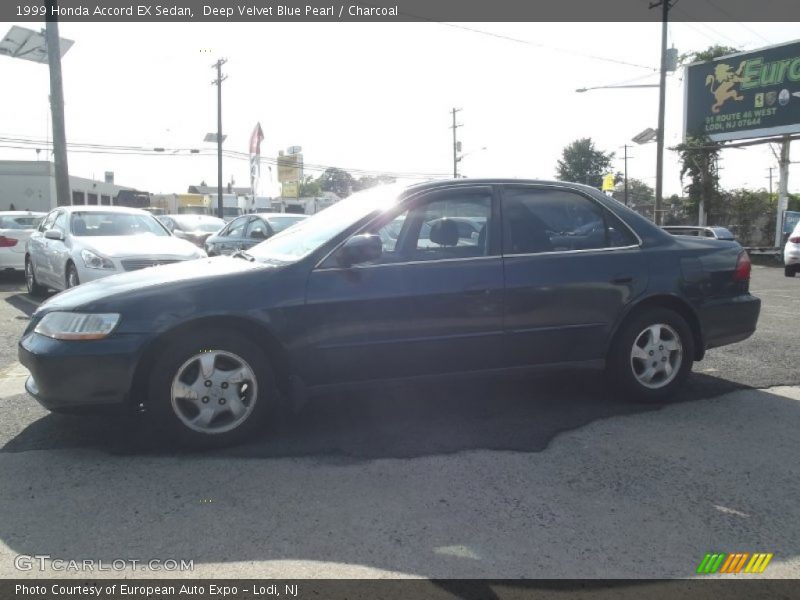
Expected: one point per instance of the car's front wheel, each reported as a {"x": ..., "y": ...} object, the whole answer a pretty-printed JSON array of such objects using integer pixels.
[
  {"x": 652, "y": 354},
  {"x": 34, "y": 289},
  {"x": 212, "y": 389}
]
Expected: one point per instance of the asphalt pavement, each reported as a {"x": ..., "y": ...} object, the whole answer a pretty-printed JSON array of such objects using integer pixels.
[{"x": 547, "y": 476}]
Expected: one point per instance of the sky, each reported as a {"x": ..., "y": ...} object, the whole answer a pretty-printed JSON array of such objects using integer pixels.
[{"x": 371, "y": 97}]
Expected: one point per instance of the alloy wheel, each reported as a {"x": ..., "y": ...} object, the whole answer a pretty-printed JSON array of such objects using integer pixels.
[
  {"x": 214, "y": 392},
  {"x": 656, "y": 356}
]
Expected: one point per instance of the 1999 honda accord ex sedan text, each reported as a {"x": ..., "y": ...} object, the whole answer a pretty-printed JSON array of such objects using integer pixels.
[{"x": 386, "y": 284}]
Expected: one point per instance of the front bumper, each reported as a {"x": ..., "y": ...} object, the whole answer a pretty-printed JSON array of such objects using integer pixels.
[
  {"x": 729, "y": 320},
  {"x": 67, "y": 374}
]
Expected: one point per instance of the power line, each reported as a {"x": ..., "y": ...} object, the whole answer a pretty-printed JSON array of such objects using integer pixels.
[
  {"x": 546, "y": 47},
  {"x": 742, "y": 25}
]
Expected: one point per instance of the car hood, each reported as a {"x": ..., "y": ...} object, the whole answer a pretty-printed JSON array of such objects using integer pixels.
[
  {"x": 182, "y": 272},
  {"x": 119, "y": 246}
]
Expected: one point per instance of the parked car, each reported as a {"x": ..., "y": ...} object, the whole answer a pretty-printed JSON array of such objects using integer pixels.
[
  {"x": 210, "y": 348},
  {"x": 16, "y": 227},
  {"x": 76, "y": 244},
  {"x": 194, "y": 228},
  {"x": 248, "y": 230},
  {"x": 791, "y": 253},
  {"x": 715, "y": 232}
]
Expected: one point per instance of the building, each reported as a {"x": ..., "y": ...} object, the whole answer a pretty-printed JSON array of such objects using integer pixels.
[{"x": 31, "y": 185}]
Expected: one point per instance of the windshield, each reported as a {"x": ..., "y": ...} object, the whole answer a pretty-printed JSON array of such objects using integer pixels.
[
  {"x": 204, "y": 224},
  {"x": 281, "y": 223},
  {"x": 192, "y": 210},
  {"x": 305, "y": 237},
  {"x": 114, "y": 224}
]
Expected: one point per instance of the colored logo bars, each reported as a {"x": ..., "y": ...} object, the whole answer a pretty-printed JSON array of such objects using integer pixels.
[{"x": 734, "y": 563}]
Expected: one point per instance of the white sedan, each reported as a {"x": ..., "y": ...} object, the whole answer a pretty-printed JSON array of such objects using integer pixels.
[
  {"x": 76, "y": 244},
  {"x": 791, "y": 253},
  {"x": 16, "y": 227}
]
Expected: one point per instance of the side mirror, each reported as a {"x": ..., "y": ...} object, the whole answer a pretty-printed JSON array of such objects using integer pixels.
[
  {"x": 360, "y": 249},
  {"x": 54, "y": 234}
]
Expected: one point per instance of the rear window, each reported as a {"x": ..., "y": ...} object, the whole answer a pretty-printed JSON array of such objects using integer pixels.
[{"x": 20, "y": 222}]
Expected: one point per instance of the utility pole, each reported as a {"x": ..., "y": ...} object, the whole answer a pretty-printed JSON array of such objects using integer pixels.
[
  {"x": 771, "y": 169},
  {"x": 218, "y": 82},
  {"x": 662, "y": 88},
  {"x": 625, "y": 197},
  {"x": 783, "y": 189},
  {"x": 63, "y": 193},
  {"x": 454, "y": 127}
]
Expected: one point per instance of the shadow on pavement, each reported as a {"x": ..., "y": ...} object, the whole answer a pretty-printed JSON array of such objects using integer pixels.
[
  {"x": 402, "y": 421},
  {"x": 641, "y": 497}
]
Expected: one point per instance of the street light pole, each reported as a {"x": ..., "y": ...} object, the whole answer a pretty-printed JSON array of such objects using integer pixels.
[
  {"x": 63, "y": 194},
  {"x": 455, "y": 143}
]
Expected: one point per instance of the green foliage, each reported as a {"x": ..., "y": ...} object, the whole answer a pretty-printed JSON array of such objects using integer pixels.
[
  {"x": 699, "y": 157},
  {"x": 338, "y": 181},
  {"x": 310, "y": 187},
  {"x": 709, "y": 53},
  {"x": 639, "y": 193},
  {"x": 581, "y": 162}
]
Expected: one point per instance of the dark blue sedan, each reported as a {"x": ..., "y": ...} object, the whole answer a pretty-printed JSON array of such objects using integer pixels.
[{"x": 443, "y": 278}]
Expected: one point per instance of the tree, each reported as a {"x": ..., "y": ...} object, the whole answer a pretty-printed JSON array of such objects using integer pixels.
[
  {"x": 310, "y": 187},
  {"x": 709, "y": 53},
  {"x": 581, "y": 162},
  {"x": 368, "y": 181},
  {"x": 338, "y": 181},
  {"x": 639, "y": 193}
]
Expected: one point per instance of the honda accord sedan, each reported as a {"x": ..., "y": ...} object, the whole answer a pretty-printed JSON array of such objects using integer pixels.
[
  {"x": 76, "y": 244},
  {"x": 210, "y": 349}
]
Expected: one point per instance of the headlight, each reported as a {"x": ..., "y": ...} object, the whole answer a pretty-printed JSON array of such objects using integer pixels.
[
  {"x": 77, "y": 326},
  {"x": 95, "y": 261}
]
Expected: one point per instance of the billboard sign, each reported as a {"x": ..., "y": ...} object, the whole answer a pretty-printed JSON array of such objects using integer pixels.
[
  {"x": 290, "y": 167},
  {"x": 790, "y": 220},
  {"x": 290, "y": 189},
  {"x": 747, "y": 95}
]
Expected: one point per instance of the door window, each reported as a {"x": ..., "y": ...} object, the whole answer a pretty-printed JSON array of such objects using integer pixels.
[
  {"x": 448, "y": 226},
  {"x": 554, "y": 220},
  {"x": 257, "y": 230},
  {"x": 47, "y": 223},
  {"x": 61, "y": 222},
  {"x": 236, "y": 229}
]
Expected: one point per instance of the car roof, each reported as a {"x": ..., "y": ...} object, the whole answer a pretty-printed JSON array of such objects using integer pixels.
[
  {"x": 94, "y": 208},
  {"x": 190, "y": 216}
]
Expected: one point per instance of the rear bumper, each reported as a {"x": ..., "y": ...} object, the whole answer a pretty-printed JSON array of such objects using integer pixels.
[
  {"x": 68, "y": 374},
  {"x": 728, "y": 321}
]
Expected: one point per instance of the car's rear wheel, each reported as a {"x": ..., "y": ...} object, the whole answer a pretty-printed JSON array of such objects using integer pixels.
[
  {"x": 790, "y": 271},
  {"x": 72, "y": 279},
  {"x": 652, "y": 354},
  {"x": 34, "y": 289},
  {"x": 212, "y": 389}
]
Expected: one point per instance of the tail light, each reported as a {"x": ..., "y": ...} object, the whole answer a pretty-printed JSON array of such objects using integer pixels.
[
  {"x": 7, "y": 242},
  {"x": 742, "y": 271},
  {"x": 795, "y": 239}
]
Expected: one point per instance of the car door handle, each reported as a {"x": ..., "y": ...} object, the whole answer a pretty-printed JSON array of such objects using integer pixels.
[{"x": 622, "y": 279}]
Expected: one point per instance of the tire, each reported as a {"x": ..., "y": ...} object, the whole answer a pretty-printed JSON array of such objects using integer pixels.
[
  {"x": 71, "y": 279},
  {"x": 789, "y": 271},
  {"x": 34, "y": 289},
  {"x": 216, "y": 372},
  {"x": 631, "y": 371}
]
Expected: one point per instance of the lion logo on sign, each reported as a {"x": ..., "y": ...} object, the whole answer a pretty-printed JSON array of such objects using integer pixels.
[{"x": 726, "y": 80}]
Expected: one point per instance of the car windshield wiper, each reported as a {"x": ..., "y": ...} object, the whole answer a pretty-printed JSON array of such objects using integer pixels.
[{"x": 244, "y": 255}]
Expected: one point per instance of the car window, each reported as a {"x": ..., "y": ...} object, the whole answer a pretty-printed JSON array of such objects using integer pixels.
[
  {"x": 61, "y": 222},
  {"x": 279, "y": 224},
  {"x": 236, "y": 228},
  {"x": 256, "y": 228},
  {"x": 447, "y": 226},
  {"x": 20, "y": 222},
  {"x": 555, "y": 220},
  {"x": 96, "y": 223},
  {"x": 47, "y": 223}
]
